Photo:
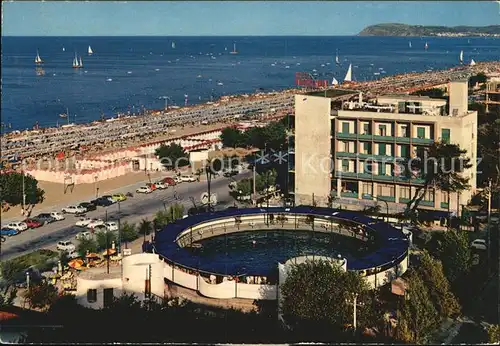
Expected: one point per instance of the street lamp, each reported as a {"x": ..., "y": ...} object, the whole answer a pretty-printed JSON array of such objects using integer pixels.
[{"x": 166, "y": 98}]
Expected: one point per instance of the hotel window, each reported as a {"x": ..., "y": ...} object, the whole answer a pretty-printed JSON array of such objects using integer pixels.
[
  {"x": 445, "y": 135},
  {"x": 404, "y": 131},
  {"x": 381, "y": 169},
  {"x": 368, "y": 167},
  {"x": 367, "y": 189},
  {"x": 366, "y": 148},
  {"x": 382, "y": 129},
  {"x": 381, "y": 149},
  {"x": 385, "y": 190},
  {"x": 345, "y": 165},
  {"x": 405, "y": 151},
  {"x": 91, "y": 295},
  {"x": 420, "y": 132},
  {"x": 345, "y": 127},
  {"x": 429, "y": 195},
  {"x": 366, "y": 129},
  {"x": 444, "y": 197},
  {"x": 404, "y": 192},
  {"x": 342, "y": 146}
]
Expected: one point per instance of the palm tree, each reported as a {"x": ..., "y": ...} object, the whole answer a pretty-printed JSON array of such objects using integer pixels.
[
  {"x": 440, "y": 166},
  {"x": 145, "y": 228}
]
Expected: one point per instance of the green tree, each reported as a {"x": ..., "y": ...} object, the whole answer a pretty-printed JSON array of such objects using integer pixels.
[
  {"x": 175, "y": 212},
  {"x": 105, "y": 239},
  {"x": 440, "y": 166},
  {"x": 318, "y": 294},
  {"x": 145, "y": 227},
  {"x": 244, "y": 187},
  {"x": 431, "y": 272},
  {"x": 161, "y": 218},
  {"x": 455, "y": 254},
  {"x": 418, "y": 318},
  {"x": 172, "y": 156},
  {"x": 435, "y": 93},
  {"x": 232, "y": 137},
  {"x": 86, "y": 245},
  {"x": 265, "y": 180},
  {"x": 129, "y": 232},
  {"x": 11, "y": 187},
  {"x": 479, "y": 78},
  {"x": 275, "y": 135},
  {"x": 41, "y": 295}
]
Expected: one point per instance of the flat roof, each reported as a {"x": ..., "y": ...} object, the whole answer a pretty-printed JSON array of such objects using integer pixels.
[
  {"x": 392, "y": 243},
  {"x": 331, "y": 93}
]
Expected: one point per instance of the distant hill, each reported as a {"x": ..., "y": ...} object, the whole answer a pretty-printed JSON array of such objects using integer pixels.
[{"x": 395, "y": 29}]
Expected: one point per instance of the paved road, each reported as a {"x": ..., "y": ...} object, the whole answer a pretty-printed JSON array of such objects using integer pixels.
[{"x": 132, "y": 210}]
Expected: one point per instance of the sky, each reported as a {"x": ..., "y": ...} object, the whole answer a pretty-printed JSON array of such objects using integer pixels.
[{"x": 233, "y": 18}]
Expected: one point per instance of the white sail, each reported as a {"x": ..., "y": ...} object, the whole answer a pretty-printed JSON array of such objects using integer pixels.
[
  {"x": 90, "y": 51},
  {"x": 337, "y": 61},
  {"x": 38, "y": 60},
  {"x": 64, "y": 49},
  {"x": 335, "y": 81},
  {"x": 348, "y": 75},
  {"x": 472, "y": 62},
  {"x": 409, "y": 44},
  {"x": 461, "y": 56},
  {"x": 75, "y": 62},
  {"x": 173, "y": 45},
  {"x": 81, "y": 64},
  {"x": 426, "y": 45}
]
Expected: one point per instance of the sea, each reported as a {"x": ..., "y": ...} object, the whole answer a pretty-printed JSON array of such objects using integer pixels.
[{"x": 130, "y": 74}]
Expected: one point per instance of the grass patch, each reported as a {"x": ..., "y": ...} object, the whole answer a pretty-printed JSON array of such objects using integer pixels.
[{"x": 42, "y": 260}]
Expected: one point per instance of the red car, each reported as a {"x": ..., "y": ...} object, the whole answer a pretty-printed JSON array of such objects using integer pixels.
[
  {"x": 169, "y": 181},
  {"x": 33, "y": 223}
]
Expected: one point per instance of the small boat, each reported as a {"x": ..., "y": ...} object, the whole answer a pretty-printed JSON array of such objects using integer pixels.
[
  {"x": 426, "y": 46},
  {"x": 90, "y": 51},
  {"x": 64, "y": 49},
  {"x": 76, "y": 63},
  {"x": 409, "y": 44},
  {"x": 472, "y": 62},
  {"x": 287, "y": 66},
  {"x": 461, "y": 57},
  {"x": 348, "y": 75},
  {"x": 273, "y": 64},
  {"x": 199, "y": 76},
  {"x": 322, "y": 65},
  {"x": 173, "y": 45},
  {"x": 335, "y": 81},
  {"x": 337, "y": 61},
  {"x": 220, "y": 83},
  {"x": 81, "y": 63},
  {"x": 38, "y": 60},
  {"x": 234, "y": 51}
]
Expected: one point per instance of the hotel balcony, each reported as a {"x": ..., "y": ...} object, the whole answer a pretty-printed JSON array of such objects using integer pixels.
[
  {"x": 376, "y": 138},
  {"x": 378, "y": 177}
]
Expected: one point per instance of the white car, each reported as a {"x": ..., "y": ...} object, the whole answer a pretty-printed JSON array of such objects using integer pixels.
[
  {"x": 100, "y": 229},
  {"x": 95, "y": 222},
  {"x": 57, "y": 216},
  {"x": 83, "y": 222},
  {"x": 160, "y": 185},
  {"x": 111, "y": 226},
  {"x": 478, "y": 244},
  {"x": 73, "y": 209},
  {"x": 18, "y": 226},
  {"x": 73, "y": 254},
  {"x": 83, "y": 235},
  {"x": 66, "y": 245},
  {"x": 178, "y": 179},
  {"x": 188, "y": 178},
  {"x": 144, "y": 189}
]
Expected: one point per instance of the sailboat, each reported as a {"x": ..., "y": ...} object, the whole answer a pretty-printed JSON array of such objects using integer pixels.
[
  {"x": 173, "y": 45},
  {"x": 472, "y": 62},
  {"x": 335, "y": 81},
  {"x": 64, "y": 49},
  {"x": 409, "y": 44},
  {"x": 461, "y": 57},
  {"x": 90, "y": 51},
  {"x": 234, "y": 51},
  {"x": 76, "y": 63},
  {"x": 38, "y": 60},
  {"x": 426, "y": 46},
  {"x": 348, "y": 75},
  {"x": 81, "y": 64},
  {"x": 337, "y": 61}
]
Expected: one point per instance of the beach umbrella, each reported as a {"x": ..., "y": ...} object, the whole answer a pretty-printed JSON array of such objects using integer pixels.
[
  {"x": 76, "y": 263},
  {"x": 92, "y": 255},
  {"x": 109, "y": 252}
]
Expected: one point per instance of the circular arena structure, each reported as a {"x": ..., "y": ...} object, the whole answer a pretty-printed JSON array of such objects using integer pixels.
[{"x": 236, "y": 253}]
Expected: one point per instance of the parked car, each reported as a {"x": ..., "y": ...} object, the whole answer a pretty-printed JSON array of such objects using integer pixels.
[
  {"x": 83, "y": 222},
  {"x": 110, "y": 198},
  {"x": 160, "y": 185},
  {"x": 57, "y": 216},
  {"x": 88, "y": 206},
  {"x": 119, "y": 197},
  {"x": 95, "y": 222},
  {"x": 111, "y": 226},
  {"x": 178, "y": 179},
  {"x": 44, "y": 218},
  {"x": 99, "y": 229},
  {"x": 73, "y": 254},
  {"x": 151, "y": 186},
  {"x": 66, "y": 245},
  {"x": 83, "y": 235},
  {"x": 479, "y": 244},
  {"x": 73, "y": 209},
  {"x": 102, "y": 202},
  {"x": 18, "y": 226},
  {"x": 169, "y": 181},
  {"x": 144, "y": 189},
  {"x": 33, "y": 223},
  {"x": 230, "y": 173},
  {"x": 188, "y": 178},
  {"x": 9, "y": 232}
]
